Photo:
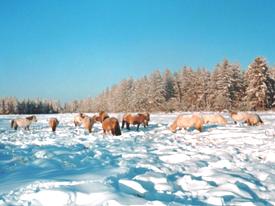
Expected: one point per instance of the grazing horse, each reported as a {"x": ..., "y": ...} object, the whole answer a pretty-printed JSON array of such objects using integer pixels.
[
  {"x": 134, "y": 119},
  {"x": 111, "y": 124},
  {"x": 237, "y": 117},
  {"x": 23, "y": 122},
  {"x": 195, "y": 121},
  {"x": 253, "y": 120},
  {"x": 214, "y": 119},
  {"x": 147, "y": 116},
  {"x": 88, "y": 123},
  {"x": 250, "y": 119},
  {"x": 53, "y": 122},
  {"x": 101, "y": 116},
  {"x": 78, "y": 119}
]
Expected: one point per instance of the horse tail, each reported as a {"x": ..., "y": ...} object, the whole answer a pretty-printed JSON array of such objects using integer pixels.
[
  {"x": 117, "y": 129},
  {"x": 12, "y": 122},
  {"x": 123, "y": 123},
  {"x": 260, "y": 120}
]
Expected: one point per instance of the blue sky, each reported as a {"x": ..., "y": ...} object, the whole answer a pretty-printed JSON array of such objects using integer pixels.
[{"x": 64, "y": 49}]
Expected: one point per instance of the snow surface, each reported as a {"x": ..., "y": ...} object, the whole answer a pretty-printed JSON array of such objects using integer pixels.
[{"x": 223, "y": 165}]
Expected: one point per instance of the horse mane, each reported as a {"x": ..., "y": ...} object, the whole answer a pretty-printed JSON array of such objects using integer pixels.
[
  {"x": 233, "y": 112},
  {"x": 101, "y": 113},
  {"x": 105, "y": 117},
  {"x": 30, "y": 118}
]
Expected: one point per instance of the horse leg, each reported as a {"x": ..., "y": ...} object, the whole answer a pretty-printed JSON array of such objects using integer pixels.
[
  {"x": 138, "y": 127},
  {"x": 113, "y": 132},
  {"x": 128, "y": 125},
  {"x": 123, "y": 122},
  {"x": 76, "y": 124}
]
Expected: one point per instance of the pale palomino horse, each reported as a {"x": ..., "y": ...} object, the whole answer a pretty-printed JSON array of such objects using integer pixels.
[
  {"x": 78, "y": 119},
  {"x": 187, "y": 121},
  {"x": 250, "y": 119},
  {"x": 214, "y": 119},
  {"x": 23, "y": 122},
  {"x": 88, "y": 122}
]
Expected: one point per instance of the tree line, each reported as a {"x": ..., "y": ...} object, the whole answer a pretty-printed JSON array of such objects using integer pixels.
[
  {"x": 227, "y": 87},
  {"x": 11, "y": 105}
]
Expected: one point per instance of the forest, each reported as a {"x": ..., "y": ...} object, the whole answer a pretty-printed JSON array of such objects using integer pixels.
[{"x": 226, "y": 87}]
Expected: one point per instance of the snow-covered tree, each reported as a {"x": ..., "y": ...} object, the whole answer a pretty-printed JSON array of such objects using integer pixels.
[
  {"x": 156, "y": 98},
  {"x": 225, "y": 86},
  {"x": 259, "y": 90},
  {"x": 171, "y": 91}
]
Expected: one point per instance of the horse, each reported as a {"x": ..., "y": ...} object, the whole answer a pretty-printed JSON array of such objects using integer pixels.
[
  {"x": 214, "y": 119},
  {"x": 23, "y": 122},
  {"x": 88, "y": 122},
  {"x": 111, "y": 124},
  {"x": 253, "y": 120},
  {"x": 237, "y": 117},
  {"x": 53, "y": 122},
  {"x": 78, "y": 119},
  {"x": 147, "y": 116},
  {"x": 134, "y": 119},
  {"x": 101, "y": 116},
  {"x": 195, "y": 121},
  {"x": 250, "y": 119}
]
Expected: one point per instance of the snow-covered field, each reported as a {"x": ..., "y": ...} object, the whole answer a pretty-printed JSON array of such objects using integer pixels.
[{"x": 231, "y": 165}]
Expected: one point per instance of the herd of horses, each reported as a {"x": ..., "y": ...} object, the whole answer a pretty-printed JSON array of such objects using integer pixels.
[{"x": 111, "y": 124}]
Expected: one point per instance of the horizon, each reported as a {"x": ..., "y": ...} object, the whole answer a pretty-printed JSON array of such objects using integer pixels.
[{"x": 63, "y": 50}]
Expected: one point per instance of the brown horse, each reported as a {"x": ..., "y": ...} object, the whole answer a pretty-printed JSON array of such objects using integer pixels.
[
  {"x": 135, "y": 119},
  {"x": 195, "y": 121},
  {"x": 214, "y": 119},
  {"x": 53, "y": 122},
  {"x": 23, "y": 122},
  {"x": 88, "y": 123},
  {"x": 250, "y": 119},
  {"x": 111, "y": 124},
  {"x": 101, "y": 116},
  {"x": 147, "y": 117},
  {"x": 78, "y": 119}
]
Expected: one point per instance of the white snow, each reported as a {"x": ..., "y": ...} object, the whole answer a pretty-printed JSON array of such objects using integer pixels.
[{"x": 223, "y": 165}]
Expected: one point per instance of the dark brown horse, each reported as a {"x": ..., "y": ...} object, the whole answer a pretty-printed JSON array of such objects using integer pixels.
[
  {"x": 111, "y": 124},
  {"x": 53, "y": 122},
  {"x": 101, "y": 116},
  {"x": 135, "y": 119}
]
